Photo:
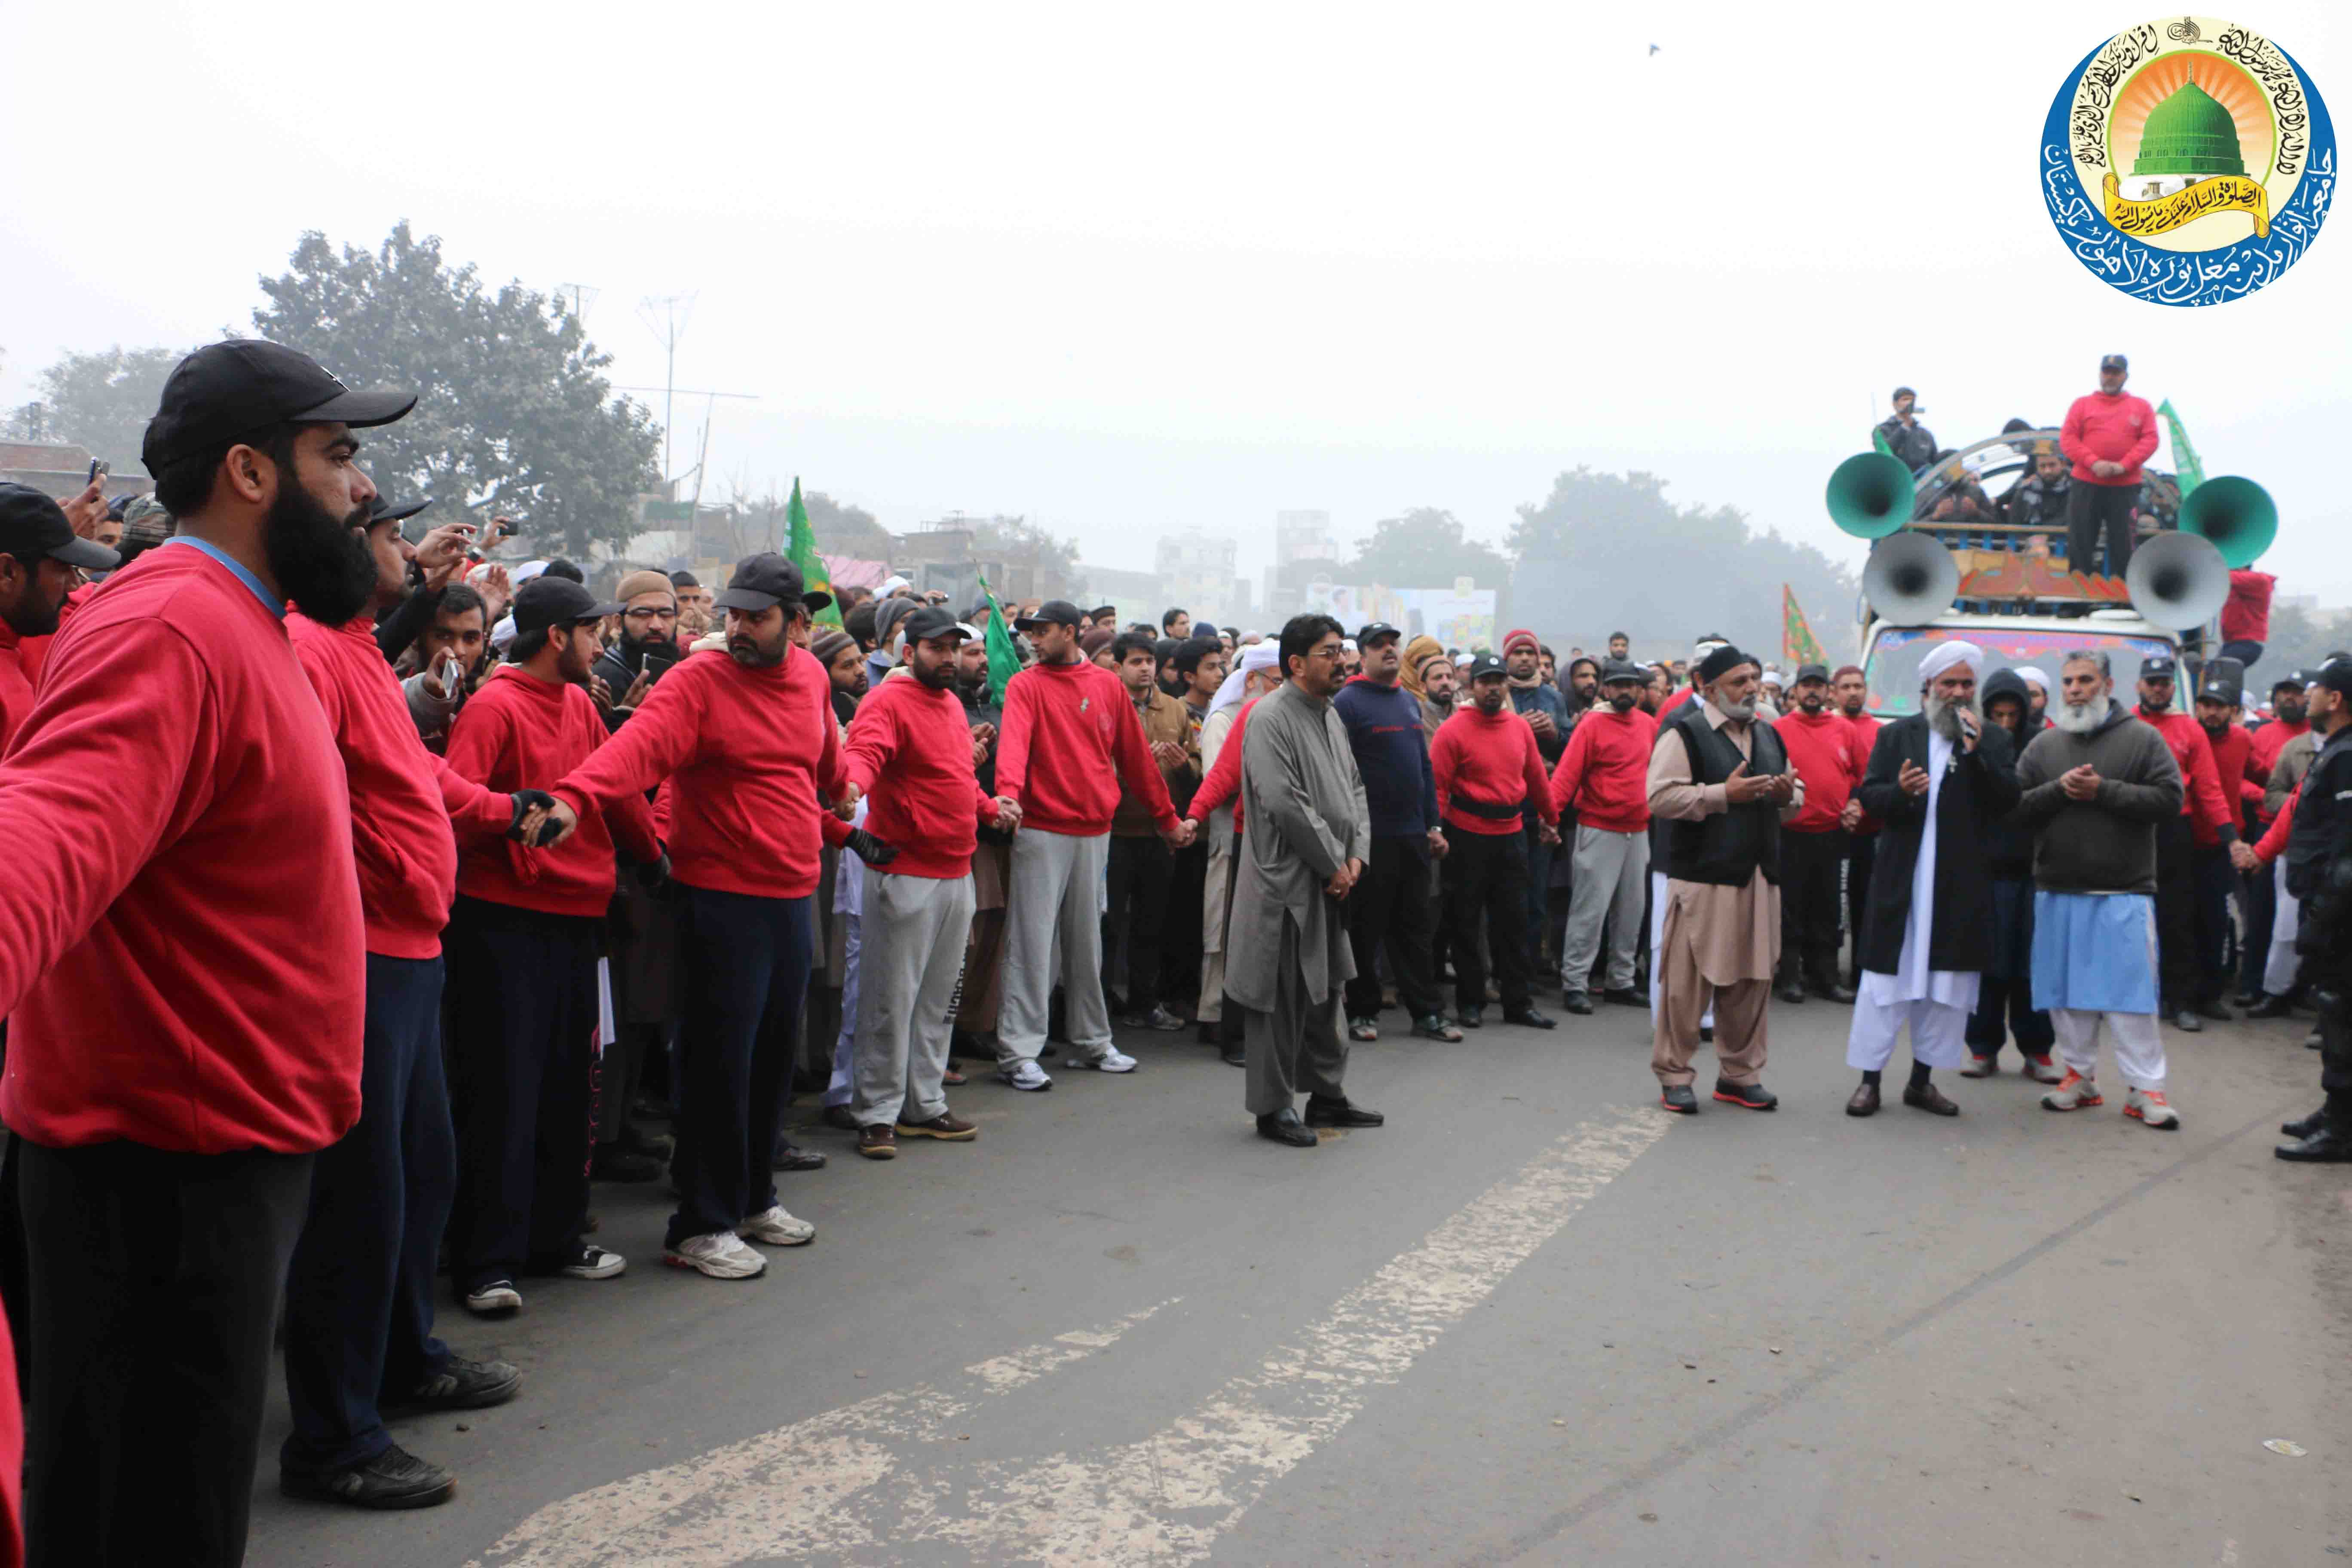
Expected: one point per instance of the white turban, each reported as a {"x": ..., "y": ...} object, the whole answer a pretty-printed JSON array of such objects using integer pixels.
[
  {"x": 1257, "y": 656},
  {"x": 1948, "y": 654},
  {"x": 2033, "y": 676},
  {"x": 502, "y": 635}
]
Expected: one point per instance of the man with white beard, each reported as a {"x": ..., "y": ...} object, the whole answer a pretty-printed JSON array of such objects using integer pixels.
[
  {"x": 1938, "y": 780},
  {"x": 2097, "y": 784}
]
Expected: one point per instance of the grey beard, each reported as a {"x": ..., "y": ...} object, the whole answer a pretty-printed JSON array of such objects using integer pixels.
[
  {"x": 2077, "y": 720},
  {"x": 1736, "y": 710},
  {"x": 1944, "y": 717}
]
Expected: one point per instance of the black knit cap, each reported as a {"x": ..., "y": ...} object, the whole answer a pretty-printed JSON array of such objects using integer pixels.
[{"x": 1722, "y": 660}]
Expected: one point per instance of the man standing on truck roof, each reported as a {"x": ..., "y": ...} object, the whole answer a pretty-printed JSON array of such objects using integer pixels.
[
  {"x": 1904, "y": 436},
  {"x": 2107, "y": 435}
]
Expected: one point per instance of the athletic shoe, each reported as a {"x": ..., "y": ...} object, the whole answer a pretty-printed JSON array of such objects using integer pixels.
[
  {"x": 591, "y": 1263},
  {"x": 1748, "y": 1095},
  {"x": 946, "y": 1126},
  {"x": 461, "y": 1384},
  {"x": 494, "y": 1298},
  {"x": 1678, "y": 1097},
  {"x": 393, "y": 1478},
  {"x": 2074, "y": 1092},
  {"x": 720, "y": 1254},
  {"x": 1981, "y": 1067},
  {"x": 1025, "y": 1074},
  {"x": 778, "y": 1228},
  {"x": 1158, "y": 1018},
  {"x": 1113, "y": 1059},
  {"x": 2042, "y": 1069},
  {"x": 2150, "y": 1107}
]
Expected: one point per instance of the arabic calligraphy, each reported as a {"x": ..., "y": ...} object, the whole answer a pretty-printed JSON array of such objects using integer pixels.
[
  {"x": 2162, "y": 214},
  {"x": 2097, "y": 91}
]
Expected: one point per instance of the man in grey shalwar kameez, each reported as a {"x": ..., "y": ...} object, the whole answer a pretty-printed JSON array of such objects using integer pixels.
[{"x": 1306, "y": 833}]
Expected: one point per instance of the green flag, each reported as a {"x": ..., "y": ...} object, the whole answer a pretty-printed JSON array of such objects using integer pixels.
[
  {"x": 1003, "y": 658},
  {"x": 1878, "y": 439},
  {"x": 2185, "y": 464},
  {"x": 815, "y": 578}
]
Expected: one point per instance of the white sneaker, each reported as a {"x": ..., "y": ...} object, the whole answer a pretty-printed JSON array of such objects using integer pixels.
[
  {"x": 1113, "y": 1059},
  {"x": 594, "y": 1263},
  {"x": 495, "y": 1300},
  {"x": 778, "y": 1228},
  {"x": 1025, "y": 1074},
  {"x": 721, "y": 1255},
  {"x": 2149, "y": 1107}
]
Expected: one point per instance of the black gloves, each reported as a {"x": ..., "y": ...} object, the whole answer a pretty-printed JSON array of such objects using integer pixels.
[
  {"x": 870, "y": 849},
  {"x": 524, "y": 801},
  {"x": 653, "y": 875}
]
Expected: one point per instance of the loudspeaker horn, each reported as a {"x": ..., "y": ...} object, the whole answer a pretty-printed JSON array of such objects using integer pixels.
[
  {"x": 1870, "y": 495},
  {"x": 1910, "y": 579},
  {"x": 2178, "y": 580},
  {"x": 2238, "y": 515}
]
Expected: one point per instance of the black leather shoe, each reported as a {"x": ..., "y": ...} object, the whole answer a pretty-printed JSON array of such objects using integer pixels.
[
  {"x": 1928, "y": 1097},
  {"x": 1864, "y": 1101},
  {"x": 2329, "y": 1145},
  {"x": 1627, "y": 997},
  {"x": 460, "y": 1384},
  {"x": 1833, "y": 993},
  {"x": 1526, "y": 1018},
  {"x": 1576, "y": 1002},
  {"x": 793, "y": 1157},
  {"x": 1788, "y": 991},
  {"x": 2307, "y": 1126},
  {"x": 1284, "y": 1127},
  {"x": 1678, "y": 1096},
  {"x": 393, "y": 1478},
  {"x": 1322, "y": 1112},
  {"x": 1469, "y": 1018},
  {"x": 1748, "y": 1096},
  {"x": 2271, "y": 1008}
]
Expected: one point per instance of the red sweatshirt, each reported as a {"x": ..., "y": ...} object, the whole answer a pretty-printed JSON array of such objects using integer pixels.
[
  {"x": 910, "y": 751},
  {"x": 1491, "y": 759},
  {"x": 2241, "y": 777},
  {"x": 746, "y": 752},
  {"x": 2118, "y": 429},
  {"x": 184, "y": 955},
  {"x": 404, "y": 800},
  {"x": 2203, "y": 800},
  {"x": 35, "y": 650},
  {"x": 521, "y": 732},
  {"x": 2246, "y": 613},
  {"x": 1070, "y": 735},
  {"x": 16, "y": 687},
  {"x": 1865, "y": 739},
  {"x": 1223, "y": 784},
  {"x": 1823, "y": 749},
  {"x": 1604, "y": 773},
  {"x": 2272, "y": 739},
  {"x": 2274, "y": 844}
]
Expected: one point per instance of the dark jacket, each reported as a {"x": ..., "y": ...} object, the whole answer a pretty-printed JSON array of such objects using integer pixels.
[
  {"x": 2033, "y": 504},
  {"x": 1547, "y": 699},
  {"x": 1980, "y": 790},
  {"x": 2106, "y": 845},
  {"x": 2008, "y": 843},
  {"x": 2323, "y": 820},
  {"x": 1914, "y": 443},
  {"x": 1730, "y": 847}
]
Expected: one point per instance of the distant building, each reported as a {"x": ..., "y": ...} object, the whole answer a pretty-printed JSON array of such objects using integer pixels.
[
  {"x": 1196, "y": 572},
  {"x": 1304, "y": 549},
  {"x": 60, "y": 468}
]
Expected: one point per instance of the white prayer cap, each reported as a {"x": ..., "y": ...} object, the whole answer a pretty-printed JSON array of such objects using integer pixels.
[
  {"x": 1347, "y": 645},
  {"x": 1700, "y": 650},
  {"x": 502, "y": 635},
  {"x": 2033, "y": 676},
  {"x": 526, "y": 572},
  {"x": 1948, "y": 654},
  {"x": 891, "y": 581},
  {"x": 1464, "y": 660},
  {"x": 1774, "y": 677},
  {"x": 1257, "y": 656},
  {"x": 973, "y": 631}
]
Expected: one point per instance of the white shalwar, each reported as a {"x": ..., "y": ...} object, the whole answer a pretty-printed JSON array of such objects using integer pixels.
[
  {"x": 849, "y": 903},
  {"x": 2281, "y": 964},
  {"x": 1934, "y": 1003}
]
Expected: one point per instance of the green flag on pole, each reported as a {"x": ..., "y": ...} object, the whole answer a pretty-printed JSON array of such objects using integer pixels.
[
  {"x": 1878, "y": 439},
  {"x": 2185, "y": 463},
  {"x": 1003, "y": 658},
  {"x": 815, "y": 578}
]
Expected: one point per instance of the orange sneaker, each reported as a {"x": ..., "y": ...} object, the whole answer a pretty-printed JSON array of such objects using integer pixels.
[
  {"x": 2150, "y": 1107},
  {"x": 2074, "y": 1092}
]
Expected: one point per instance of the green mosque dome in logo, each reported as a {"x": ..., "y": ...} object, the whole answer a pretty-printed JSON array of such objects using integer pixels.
[{"x": 2189, "y": 133}]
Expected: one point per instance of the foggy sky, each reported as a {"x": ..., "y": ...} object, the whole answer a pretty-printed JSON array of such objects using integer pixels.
[{"x": 1131, "y": 270}]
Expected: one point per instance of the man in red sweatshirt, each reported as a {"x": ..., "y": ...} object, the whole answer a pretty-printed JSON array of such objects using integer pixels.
[
  {"x": 2186, "y": 850},
  {"x": 747, "y": 742},
  {"x": 1825, "y": 748},
  {"x": 1601, "y": 777},
  {"x": 359, "y": 1294},
  {"x": 1850, "y": 689},
  {"x": 524, "y": 935},
  {"x": 1489, "y": 776},
  {"x": 2107, "y": 435},
  {"x": 41, "y": 561},
  {"x": 183, "y": 974},
  {"x": 1071, "y": 735},
  {"x": 911, "y": 755}
]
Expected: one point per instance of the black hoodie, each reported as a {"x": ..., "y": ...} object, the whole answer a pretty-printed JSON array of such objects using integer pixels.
[{"x": 2008, "y": 843}]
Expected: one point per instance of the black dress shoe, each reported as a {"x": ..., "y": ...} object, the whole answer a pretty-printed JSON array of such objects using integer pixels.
[
  {"x": 1469, "y": 1018},
  {"x": 2328, "y": 1145},
  {"x": 2307, "y": 1126},
  {"x": 1864, "y": 1101},
  {"x": 1748, "y": 1096},
  {"x": 393, "y": 1478},
  {"x": 1576, "y": 1002},
  {"x": 1526, "y": 1018},
  {"x": 2271, "y": 1008},
  {"x": 793, "y": 1157},
  {"x": 1833, "y": 992},
  {"x": 1284, "y": 1127},
  {"x": 1678, "y": 1096},
  {"x": 1625, "y": 996},
  {"x": 1788, "y": 991},
  {"x": 1322, "y": 1112},
  {"x": 460, "y": 1384},
  {"x": 1707, "y": 1033},
  {"x": 1928, "y": 1097}
]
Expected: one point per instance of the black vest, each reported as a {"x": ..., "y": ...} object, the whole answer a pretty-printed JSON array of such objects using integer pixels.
[{"x": 1728, "y": 848}]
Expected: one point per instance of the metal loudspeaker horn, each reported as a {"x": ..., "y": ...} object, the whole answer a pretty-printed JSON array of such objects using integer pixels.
[
  {"x": 1870, "y": 495},
  {"x": 2178, "y": 580},
  {"x": 2238, "y": 515},
  {"x": 1910, "y": 579}
]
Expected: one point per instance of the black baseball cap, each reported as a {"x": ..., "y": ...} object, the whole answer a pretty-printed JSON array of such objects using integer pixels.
[
  {"x": 1810, "y": 672},
  {"x": 1486, "y": 663},
  {"x": 932, "y": 621},
  {"x": 1621, "y": 669},
  {"x": 2294, "y": 679},
  {"x": 1053, "y": 612},
  {"x": 384, "y": 511},
  {"x": 762, "y": 581},
  {"x": 1373, "y": 631},
  {"x": 227, "y": 389},
  {"x": 2160, "y": 668},
  {"x": 2114, "y": 362},
  {"x": 33, "y": 524},
  {"x": 546, "y": 601}
]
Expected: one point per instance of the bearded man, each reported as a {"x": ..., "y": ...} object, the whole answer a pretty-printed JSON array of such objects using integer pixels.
[
  {"x": 1939, "y": 780},
  {"x": 2098, "y": 785},
  {"x": 2005, "y": 989}
]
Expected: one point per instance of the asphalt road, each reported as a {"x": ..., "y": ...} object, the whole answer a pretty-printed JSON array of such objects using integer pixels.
[{"x": 1534, "y": 1319}]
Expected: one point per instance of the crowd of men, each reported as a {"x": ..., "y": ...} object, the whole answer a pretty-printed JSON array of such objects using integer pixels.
[{"x": 374, "y": 899}]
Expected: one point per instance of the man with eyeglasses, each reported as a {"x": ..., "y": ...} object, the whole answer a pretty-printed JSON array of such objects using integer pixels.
[{"x": 647, "y": 644}]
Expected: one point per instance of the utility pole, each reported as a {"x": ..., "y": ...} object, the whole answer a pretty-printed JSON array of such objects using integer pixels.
[
  {"x": 667, "y": 314},
  {"x": 582, "y": 297}
]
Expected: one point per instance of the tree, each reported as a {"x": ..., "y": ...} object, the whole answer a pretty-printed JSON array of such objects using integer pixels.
[
  {"x": 845, "y": 529},
  {"x": 1017, "y": 540},
  {"x": 513, "y": 411},
  {"x": 1423, "y": 548},
  {"x": 2299, "y": 639},
  {"x": 102, "y": 401},
  {"x": 1609, "y": 553}
]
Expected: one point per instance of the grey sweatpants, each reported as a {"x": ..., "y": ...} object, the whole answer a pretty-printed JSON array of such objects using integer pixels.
[
  {"x": 1608, "y": 886},
  {"x": 1054, "y": 905},
  {"x": 1297, "y": 1046},
  {"x": 911, "y": 935}
]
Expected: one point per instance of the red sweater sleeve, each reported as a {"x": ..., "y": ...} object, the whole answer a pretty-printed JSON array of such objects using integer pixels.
[
  {"x": 660, "y": 737},
  {"x": 1538, "y": 786},
  {"x": 1012, "y": 738},
  {"x": 2212, "y": 805},
  {"x": 874, "y": 740},
  {"x": 2273, "y": 842},
  {"x": 2145, "y": 448},
  {"x": 1137, "y": 766},
  {"x": 475, "y": 811},
  {"x": 1568, "y": 778},
  {"x": 1444, "y": 758},
  {"x": 1225, "y": 777}
]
